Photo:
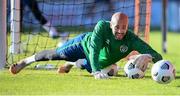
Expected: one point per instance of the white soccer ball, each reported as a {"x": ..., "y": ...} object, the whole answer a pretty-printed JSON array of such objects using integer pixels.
[
  {"x": 132, "y": 72},
  {"x": 163, "y": 72}
]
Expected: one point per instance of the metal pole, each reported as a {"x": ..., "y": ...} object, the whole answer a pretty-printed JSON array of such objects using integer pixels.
[
  {"x": 3, "y": 30},
  {"x": 15, "y": 27},
  {"x": 164, "y": 26}
]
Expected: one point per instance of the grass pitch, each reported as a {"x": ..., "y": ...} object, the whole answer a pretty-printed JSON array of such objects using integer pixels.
[{"x": 79, "y": 82}]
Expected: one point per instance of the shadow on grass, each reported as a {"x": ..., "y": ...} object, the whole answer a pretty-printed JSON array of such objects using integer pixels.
[
  {"x": 115, "y": 76},
  {"x": 125, "y": 76},
  {"x": 177, "y": 77},
  {"x": 86, "y": 75},
  {"x": 112, "y": 78},
  {"x": 120, "y": 75}
]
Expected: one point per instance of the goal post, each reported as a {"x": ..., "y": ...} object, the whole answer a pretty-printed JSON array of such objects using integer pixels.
[
  {"x": 142, "y": 7},
  {"x": 72, "y": 16},
  {"x": 15, "y": 27},
  {"x": 3, "y": 31}
]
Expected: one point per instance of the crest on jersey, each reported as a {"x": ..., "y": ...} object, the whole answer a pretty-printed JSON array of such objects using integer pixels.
[{"x": 123, "y": 48}]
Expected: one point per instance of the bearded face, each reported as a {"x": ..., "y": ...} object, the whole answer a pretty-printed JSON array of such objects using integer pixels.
[{"x": 119, "y": 26}]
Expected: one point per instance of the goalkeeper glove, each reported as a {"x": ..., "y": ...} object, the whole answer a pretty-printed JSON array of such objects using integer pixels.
[
  {"x": 100, "y": 75},
  {"x": 141, "y": 61}
]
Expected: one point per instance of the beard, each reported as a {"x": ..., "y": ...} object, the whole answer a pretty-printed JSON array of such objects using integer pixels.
[{"x": 119, "y": 36}]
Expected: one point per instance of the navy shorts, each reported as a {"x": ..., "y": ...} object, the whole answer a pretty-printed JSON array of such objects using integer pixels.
[
  {"x": 86, "y": 65},
  {"x": 72, "y": 50}
]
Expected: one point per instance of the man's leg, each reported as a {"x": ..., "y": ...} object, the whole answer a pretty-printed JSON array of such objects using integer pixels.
[
  {"x": 33, "y": 6},
  {"x": 70, "y": 51},
  {"x": 41, "y": 56},
  {"x": 76, "y": 57},
  {"x": 80, "y": 63},
  {"x": 17, "y": 67},
  {"x": 68, "y": 65}
]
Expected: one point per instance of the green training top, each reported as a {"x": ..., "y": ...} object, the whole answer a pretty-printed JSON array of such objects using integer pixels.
[{"x": 102, "y": 49}]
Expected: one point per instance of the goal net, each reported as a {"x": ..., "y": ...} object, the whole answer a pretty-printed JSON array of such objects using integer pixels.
[{"x": 29, "y": 21}]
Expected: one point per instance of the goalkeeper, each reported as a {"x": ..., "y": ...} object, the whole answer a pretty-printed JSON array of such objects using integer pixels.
[{"x": 109, "y": 42}]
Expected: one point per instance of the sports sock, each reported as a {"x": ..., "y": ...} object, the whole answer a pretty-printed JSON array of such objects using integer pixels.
[
  {"x": 79, "y": 63},
  {"x": 29, "y": 60}
]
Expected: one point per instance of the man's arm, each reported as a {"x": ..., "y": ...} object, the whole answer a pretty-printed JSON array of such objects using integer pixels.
[
  {"x": 143, "y": 48},
  {"x": 95, "y": 45},
  {"x": 147, "y": 55}
]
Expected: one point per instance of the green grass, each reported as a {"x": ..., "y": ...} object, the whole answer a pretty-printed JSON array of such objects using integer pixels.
[{"x": 79, "y": 82}]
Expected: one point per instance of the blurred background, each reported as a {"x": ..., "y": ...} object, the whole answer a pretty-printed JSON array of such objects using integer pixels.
[{"x": 61, "y": 16}]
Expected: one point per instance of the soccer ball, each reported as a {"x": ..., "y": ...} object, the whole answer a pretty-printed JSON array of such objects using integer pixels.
[
  {"x": 163, "y": 72},
  {"x": 132, "y": 72}
]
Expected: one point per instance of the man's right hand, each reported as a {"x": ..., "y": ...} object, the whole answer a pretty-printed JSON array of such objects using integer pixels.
[
  {"x": 141, "y": 61},
  {"x": 100, "y": 75}
]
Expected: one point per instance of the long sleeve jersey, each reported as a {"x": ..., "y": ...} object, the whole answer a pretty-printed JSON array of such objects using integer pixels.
[{"x": 102, "y": 49}]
